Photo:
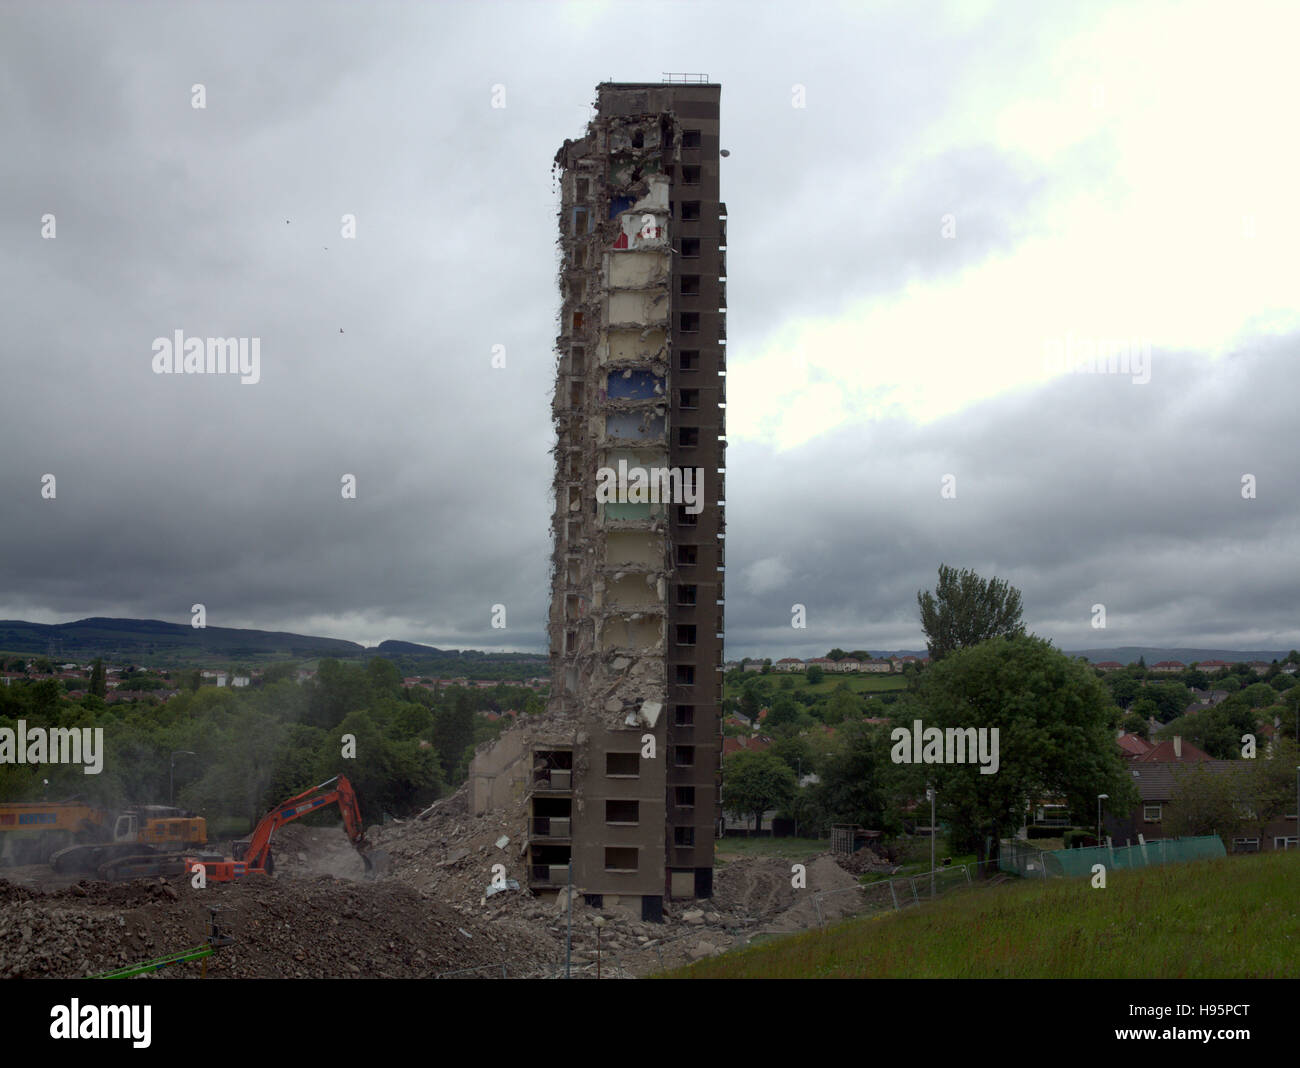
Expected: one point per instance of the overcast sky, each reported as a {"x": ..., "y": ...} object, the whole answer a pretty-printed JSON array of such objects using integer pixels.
[{"x": 969, "y": 192}]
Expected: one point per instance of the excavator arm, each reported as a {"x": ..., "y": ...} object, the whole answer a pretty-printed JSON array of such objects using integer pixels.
[{"x": 311, "y": 800}]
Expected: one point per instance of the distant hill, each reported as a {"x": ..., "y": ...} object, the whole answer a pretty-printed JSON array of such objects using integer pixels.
[
  {"x": 158, "y": 643},
  {"x": 1129, "y": 654}
]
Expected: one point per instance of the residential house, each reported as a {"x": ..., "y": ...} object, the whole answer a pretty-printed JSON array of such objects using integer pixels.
[
  {"x": 1133, "y": 745},
  {"x": 878, "y": 664},
  {"x": 1108, "y": 665},
  {"x": 788, "y": 663},
  {"x": 1169, "y": 666},
  {"x": 1158, "y": 784},
  {"x": 1173, "y": 750}
]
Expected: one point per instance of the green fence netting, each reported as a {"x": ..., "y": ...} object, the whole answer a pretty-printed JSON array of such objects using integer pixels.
[{"x": 1028, "y": 861}]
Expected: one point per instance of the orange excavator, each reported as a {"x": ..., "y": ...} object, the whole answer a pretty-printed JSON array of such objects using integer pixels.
[{"x": 253, "y": 855}]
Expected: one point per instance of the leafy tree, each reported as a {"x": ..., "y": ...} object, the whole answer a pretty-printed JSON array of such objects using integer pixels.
[
  {"x": 965, "y": 610},
  {"x": 815, "y": 674},
  {"x": 754, "y": 782},
  {"x": 1124, "y": 689},
  {"x": 385, "y": 679},
  {"x": 1259, "y": 694},
  {"x": 841, "y": 705},
  {"x": 1135, "y": 724},
  {"x": 1196, "y": 679},
  {"x": 1229, "y": 684},
  {"x": 837, "y": 654},
  {"x": 1171, "y": 699},
  {"x": 783, "y": 713},
  {"x": 1204, "y": 802},
  {"x": 453, "y": 730},
  {"x": 1056, "y": 735},
  {"x": 285, "y": 670}
]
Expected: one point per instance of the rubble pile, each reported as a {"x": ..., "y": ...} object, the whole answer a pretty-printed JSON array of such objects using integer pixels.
[
  {"x": 283, "y": 928},
  {"x": 865, "y": 860}
]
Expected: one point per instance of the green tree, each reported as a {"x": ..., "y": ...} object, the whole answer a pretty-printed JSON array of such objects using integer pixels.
[
  {"x": 837, "y": 654},
  {"x": 754, "y": 782},
  {"x": 858, "y": 780},
  {"x": 815, "y": 674},
  {"x": 841, "y": 705},
  {"x": 783, "y": 713},
  {"x": 98, "y": 681},
  {"x": 285, "y": 670},
  {"x": 1055, "y": 727},
  {"x": 1204, "y": 802},
  {"x": 965, "y": 610},
  {"x": 1259, "y": 694},
  {"x": 1135, "y": 724},
  {"x": 453, "y": 731},
  {"x": 1124, "y": 689},
  {"x": 1171, "y": 699}
]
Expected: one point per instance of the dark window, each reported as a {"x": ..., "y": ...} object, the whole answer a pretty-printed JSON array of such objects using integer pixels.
[
  {"x": 690, "y": 175},
  {"x": 686, "y": 634},
  {"x": 688, "y": 360},
  {"x": 683, "y": 836},
  {"x": 689, "y": 398},
  {"x": 623, "y": 764},
  {"x": 690, "y": 322},
  {"x": 686, "y": 797},
  {"x": 690, "y": 139},
  {"x": 685, "y": 718},
  {"x": 690, "y": 210},
  {"x": 684, "y": 756},
  {"x": 690, "y": 285},
  {"x": 685, "y": 518},
  {"x": 686, "y": 594},
  {"x": 620, "y": 858},
  {"x": 685, "y": 676},
  {"x": 690, "y": 248},
  {"x": 688, "y": 436},
  {"x": 686, "y": 555},
  {"x": 622, "y": 811},
  {"x": 638, "y": 139}
]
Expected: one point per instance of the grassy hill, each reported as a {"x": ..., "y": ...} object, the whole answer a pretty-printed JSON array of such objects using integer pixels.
[
  {"x": 1238, "y": 917},
  {"x": 171, "y": 645}
]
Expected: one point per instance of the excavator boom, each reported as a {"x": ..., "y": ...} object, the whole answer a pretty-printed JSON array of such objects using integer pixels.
[{"x": 310, "y": 800}]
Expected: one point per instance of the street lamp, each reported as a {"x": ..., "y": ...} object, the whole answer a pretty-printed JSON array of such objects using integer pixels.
[
  {"x": 1100, "y": 799},
  {"x": 171, "y": 774},
  {"x": 929, "y": 791}
]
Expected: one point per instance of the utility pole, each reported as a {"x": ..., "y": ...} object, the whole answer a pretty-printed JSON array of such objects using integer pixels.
[
  {"x": 930, "y": 790},
  {"x": 1100, "y": 799}
]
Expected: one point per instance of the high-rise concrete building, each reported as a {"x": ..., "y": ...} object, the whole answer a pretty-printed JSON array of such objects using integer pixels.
[{"x": 631, "y": 798}]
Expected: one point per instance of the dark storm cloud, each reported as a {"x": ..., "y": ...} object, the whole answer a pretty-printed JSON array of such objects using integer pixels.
[{"x": 175, "y": 489}]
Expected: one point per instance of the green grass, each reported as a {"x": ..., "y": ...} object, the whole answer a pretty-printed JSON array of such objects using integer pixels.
[
  {"x": 1238, "y": 917},
  {"x": 856, "y": 683},
  {"x": 781, "y": 848}
]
